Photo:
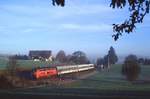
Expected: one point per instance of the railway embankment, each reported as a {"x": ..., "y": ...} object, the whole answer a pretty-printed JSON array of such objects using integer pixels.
[{"x": 16, "y": 82}]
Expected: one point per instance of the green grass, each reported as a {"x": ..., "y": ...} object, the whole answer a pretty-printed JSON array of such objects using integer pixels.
[
  {"x": 32, "y": 64},
  {"x": 3, "y": 63},
  {"x": 113, "y": 80},
  {"x": 104, "y": 81}
]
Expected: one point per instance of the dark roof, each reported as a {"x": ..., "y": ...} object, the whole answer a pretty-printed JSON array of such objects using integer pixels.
[{"x": 40, "y": 53}]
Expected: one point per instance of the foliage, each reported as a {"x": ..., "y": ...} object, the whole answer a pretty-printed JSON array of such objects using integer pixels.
[
  {"x": 112, "y": 56},
  {"x": 100, "y": 61},
  {"x": 137, "y": 9},
  {"x": 131, "y": 68},
  {"x": 143, "y": 61},
  {"x": 146, "y": 61},
  {"x": 58, "y": 2},
  {"x": 61, "y": 56},
  {"x": 79, "y": 57},
  {"x": 68, "y": 58},
  {"x": 21, "y": 57},
  {"x": 106, "y": 60}
]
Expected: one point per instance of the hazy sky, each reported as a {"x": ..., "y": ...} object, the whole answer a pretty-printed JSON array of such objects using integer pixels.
[{"x": 81, "y": 25}]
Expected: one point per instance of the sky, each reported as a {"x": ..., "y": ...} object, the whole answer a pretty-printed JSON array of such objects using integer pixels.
[{"x": 84, "y": 25}]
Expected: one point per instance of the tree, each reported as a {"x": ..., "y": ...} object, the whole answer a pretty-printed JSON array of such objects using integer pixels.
[
  {"x": 137, "y": 9},
  {"x": 100, "y": 61},
  {"x": 21, "y": 57},
  {"x": 68, "y": 58},
  {"x": 112, "y": 57},
  {"x": 106, "y": 61},
  {"x": 131, "y": 68},
  {"x": 79, "y": 57},
  {"x": 141, "y": 61},
  {"x": 61, "y": 56},
  {"x": 146, "y": 61},
  {"x": 12, "y": 66}
]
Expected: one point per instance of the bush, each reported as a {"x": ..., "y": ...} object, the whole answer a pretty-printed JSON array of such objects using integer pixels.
[{"x": 131, "y": 68}]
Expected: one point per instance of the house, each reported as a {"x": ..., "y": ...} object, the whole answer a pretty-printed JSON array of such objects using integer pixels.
[{"x": 38, "y": 55}]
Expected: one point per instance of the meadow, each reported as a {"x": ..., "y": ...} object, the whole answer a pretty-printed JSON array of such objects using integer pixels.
[
  {"x": 101, "y": 80},
  {"x": 114, "y": 80},
  {"x": 102, "y": 83}
]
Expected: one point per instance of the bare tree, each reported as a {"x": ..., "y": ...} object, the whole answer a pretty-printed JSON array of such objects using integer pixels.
[{"x": 12, "y": 66}]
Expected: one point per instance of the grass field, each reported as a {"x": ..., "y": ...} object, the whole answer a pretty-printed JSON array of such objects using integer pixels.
[
  {"x": 113, "y": 80},
  {"x": 102, "y": 80},
  {"x": 3, "y": 63},
  {"x": 102, "y": 83}
]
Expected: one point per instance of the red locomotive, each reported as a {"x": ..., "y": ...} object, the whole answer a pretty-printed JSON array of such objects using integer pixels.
[{"x": 44, "y": 72}]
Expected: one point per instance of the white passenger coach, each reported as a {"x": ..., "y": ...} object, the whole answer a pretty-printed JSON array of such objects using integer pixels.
[{"x": 74, "y": 68}]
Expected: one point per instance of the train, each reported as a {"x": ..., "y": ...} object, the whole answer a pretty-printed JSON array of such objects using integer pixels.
[{"x": 47, "y": 72}]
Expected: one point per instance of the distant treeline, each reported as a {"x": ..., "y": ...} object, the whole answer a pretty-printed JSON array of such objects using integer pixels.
[
  {"x": 144, "y": 61},
  {"x": 77, "y": 57},
  {"x": 21, "y": 57}
]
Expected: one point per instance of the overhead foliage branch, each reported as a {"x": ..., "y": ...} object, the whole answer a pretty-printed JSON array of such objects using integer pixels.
[
  {"x": 137, "y": 8},
  {"x": 58, "y": 2}
]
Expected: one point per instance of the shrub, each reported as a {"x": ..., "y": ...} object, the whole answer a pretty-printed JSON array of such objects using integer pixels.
[{"x": 131, "y": 68}]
